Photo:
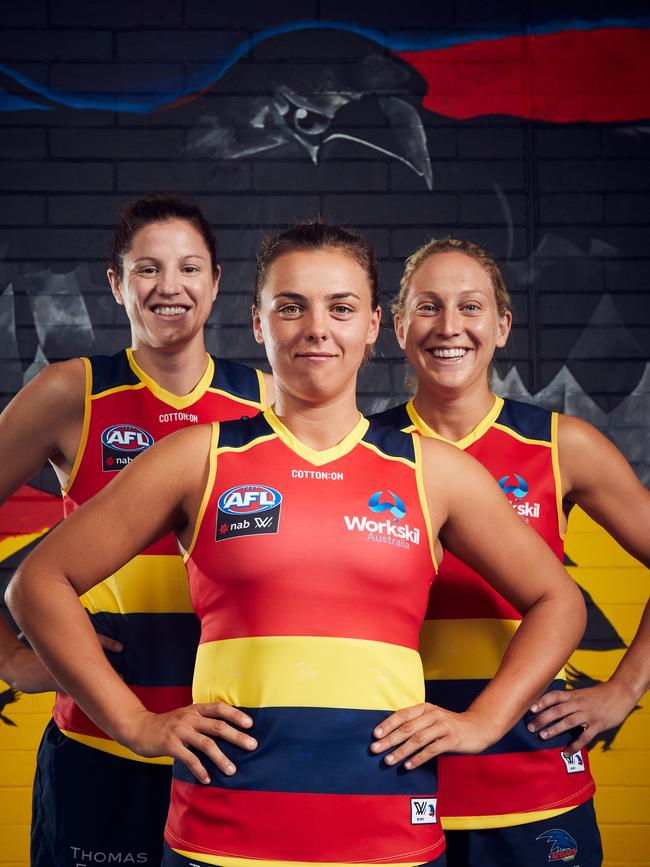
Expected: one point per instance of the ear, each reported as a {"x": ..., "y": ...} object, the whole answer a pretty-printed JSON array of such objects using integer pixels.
[
  {"x": 503, "y": 331},
  {"x": 114, "y": 280},
  {"x": 373, "y": 328},
  {"x": 215, "y": 285},
  {"x": 400, "y": 331},
  {"x": 257, "y": 325}
]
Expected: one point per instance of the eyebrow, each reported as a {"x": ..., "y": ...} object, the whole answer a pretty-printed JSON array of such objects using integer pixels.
[
  {"x": 156, "y": 259},
  {"x": 335, "y": 296}
]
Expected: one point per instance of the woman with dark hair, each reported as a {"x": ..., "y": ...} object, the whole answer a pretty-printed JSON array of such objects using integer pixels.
[
  {"x": 532, "y": 790},
  {"x": 311, "y": 539},
  {"x": 90, "y": 793}
]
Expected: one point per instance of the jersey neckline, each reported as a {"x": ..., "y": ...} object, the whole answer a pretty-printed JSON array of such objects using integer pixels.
[
  {"x": 313, "y": 456},
  {"x": 178, "y": 401},
  {"x": 484, "y": 424}
]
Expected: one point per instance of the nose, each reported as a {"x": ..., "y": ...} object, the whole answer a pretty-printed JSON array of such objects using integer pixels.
[
  {"x": 448, "y": 322},
  {"x": 168, "y": 284},
  {"x": 316, "y": 325}
]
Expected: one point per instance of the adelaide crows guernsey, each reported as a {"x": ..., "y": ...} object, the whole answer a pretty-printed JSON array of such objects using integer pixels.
[
  {"x": 146, "y": 604},
  {"x": 468, "y": 626},
  {"x": 310, "y": 573}
]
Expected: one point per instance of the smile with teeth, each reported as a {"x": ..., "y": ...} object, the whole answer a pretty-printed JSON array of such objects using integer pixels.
[
  {"x": 162, "y": 310},
  {"x": 457, "y": 352}
]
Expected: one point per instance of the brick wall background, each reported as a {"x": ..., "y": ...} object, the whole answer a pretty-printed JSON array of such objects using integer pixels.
[{"x": 536, "y": 146}]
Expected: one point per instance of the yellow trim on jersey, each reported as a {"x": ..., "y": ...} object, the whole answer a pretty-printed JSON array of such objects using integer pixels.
[
  {"x": 386, "y": 456},
  {"x": 464, "y": 649},
  {"x": 81, "y": 448},
  {"x": 231, "y": 861},
  {"x": 520, "y": 437},
  {"x": 555, "y": 459},
  {"x": 249, "y": 445},
  {"x": 149, "y": 583},
  {"x": 11, "y": 544},
  {"x": 505, "y": 820},
  {"x": 258, "y": 404},
  {"x": 107, "y": 746},
  {"x": 424, "y": 503},
  {"x": 175, "y": 400},
  {"x": 262, "y": 385},
  {"x": 214, "y": 438},
  {"x": 316, "y": 672},
  {"x": 313, "y": 456},
  {"x": 484, "y": 425}
]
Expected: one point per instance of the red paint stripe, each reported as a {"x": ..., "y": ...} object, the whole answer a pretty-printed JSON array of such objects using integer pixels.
[
  {"x": 159, "y": 699},
  {"x": 29, "y": 511},
  {"x": 596, "y": 75},
  {"x": 492, "y": 785},
  {"x": 289, "y": 826}
]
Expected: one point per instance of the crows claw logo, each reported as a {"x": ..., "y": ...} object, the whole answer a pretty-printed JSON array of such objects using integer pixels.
[
  {"x": 563, "y": 846},
  {"x": 519, "y": 490},
  {"x": 397, "y": 508}
]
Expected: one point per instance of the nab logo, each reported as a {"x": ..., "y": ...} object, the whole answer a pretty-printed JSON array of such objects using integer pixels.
[
  {"x": 563, "y": 846},
  {"x": 248, "y": 510},
  {"x": 519, "y": 490},
  {"x": 424, "y": 811},
  {"x": 121, "y": 443},
  {"x": 396, "y": 508}
]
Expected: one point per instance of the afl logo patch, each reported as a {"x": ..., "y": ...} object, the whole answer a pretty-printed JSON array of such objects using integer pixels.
[
  {"x": 248, "y": 510},
  {"x": 121, "y": 443}
]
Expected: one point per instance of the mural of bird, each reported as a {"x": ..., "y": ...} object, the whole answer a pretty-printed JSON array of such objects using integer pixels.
[{"x": 7, "y": 696}]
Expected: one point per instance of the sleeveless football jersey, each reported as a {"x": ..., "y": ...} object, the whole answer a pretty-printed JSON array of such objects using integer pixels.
[
  {"x": 146, "y": 604},
  {"x": 468, "y": 626},
  {"x": 310, "y": 573}
]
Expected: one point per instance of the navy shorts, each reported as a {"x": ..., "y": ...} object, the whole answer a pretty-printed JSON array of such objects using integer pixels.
[
  {"x": 88, "y": 806},
  {"x": 571, "y": 839},
  {"x": 173, "y": 859}
]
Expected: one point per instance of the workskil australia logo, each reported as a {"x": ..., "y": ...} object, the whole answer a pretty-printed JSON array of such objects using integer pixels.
[
  {"x": 248, "y": 510},
  {"x": 516, "y": 487},
  {"x": 385, "y": 531},
  {"x": 121, "y": 443}
]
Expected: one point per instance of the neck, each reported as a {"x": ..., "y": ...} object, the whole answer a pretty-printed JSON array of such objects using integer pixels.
[
  {"x": 320, "y": 425},
  {"x": 453, "y": 415},
  {"x": 178, "y": 370}
]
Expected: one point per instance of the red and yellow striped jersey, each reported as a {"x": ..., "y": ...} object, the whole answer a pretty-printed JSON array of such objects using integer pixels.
[
  {"x": 310, "y": 573},
  {"x": 468, "y": 626},
  {"x": 146, "y": 604}
]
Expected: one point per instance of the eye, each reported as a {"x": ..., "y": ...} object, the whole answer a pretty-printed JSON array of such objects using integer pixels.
[
  {"x": 290, "y": 309},
  {"x": 190, "y": 269},
  {"x": 342, "y": 310},
  {"x": 148, "y": 269},
  {"x": 427, "y": 308},
  {"x": 472, "y": 307}
]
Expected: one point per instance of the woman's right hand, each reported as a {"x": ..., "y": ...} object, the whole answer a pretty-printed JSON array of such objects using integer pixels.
[{"x": 196, "y": 726}]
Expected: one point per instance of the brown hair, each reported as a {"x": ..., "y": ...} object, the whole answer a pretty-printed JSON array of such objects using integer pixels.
[
  {"x": 453, "y": 245},
  {"x": 317, "y": 235},
  {"x": 157, "y": 208}
]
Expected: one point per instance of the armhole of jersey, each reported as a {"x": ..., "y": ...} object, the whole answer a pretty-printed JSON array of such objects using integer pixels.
[
  {"x": 212, "y": 471},
  {"x": 81, "y": 448},
  {"x": 556, "y": 474},
  {"x": 262, "y": 386},
  {"x": 424, "y": 503}
]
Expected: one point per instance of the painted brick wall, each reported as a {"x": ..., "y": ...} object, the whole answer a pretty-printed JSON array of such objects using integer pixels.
[{"x": 88, "y": 121}]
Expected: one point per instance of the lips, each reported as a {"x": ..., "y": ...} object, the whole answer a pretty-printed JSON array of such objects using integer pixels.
[
  {"x": 169, "y": 310},
  {"x": 448, "y": 352}
]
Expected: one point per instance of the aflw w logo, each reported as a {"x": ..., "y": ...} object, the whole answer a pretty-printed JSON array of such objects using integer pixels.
[
  {"x": 423, "y": 811},
  {"x": 263, "y": 522}
]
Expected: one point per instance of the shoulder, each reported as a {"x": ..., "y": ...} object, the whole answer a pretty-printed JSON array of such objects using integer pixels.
[
  {"x": 61, "y": 385},
  {"x": 394, "y": 416},
  {"x": 526, "y": 419},
  {"x": 238, "y": 380}
]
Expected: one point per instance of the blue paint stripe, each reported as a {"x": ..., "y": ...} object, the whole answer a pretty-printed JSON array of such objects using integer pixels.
[
  {"x": 394, "y": 41},
  {"x": 320, "y": 750}
]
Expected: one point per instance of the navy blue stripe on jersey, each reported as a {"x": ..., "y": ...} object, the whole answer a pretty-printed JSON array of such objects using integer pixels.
[
  {"x": 532, "y": 422},
  {"x": 457, "y": 695},
  {"x": 235, "y": 379},
  {"x": 395, "y": 416},
  {"x": 241, "y": 432},
  {"x": 175, "y": 637},
  {"x": 390, "y": 442},
  {"x": 111, "y": 371},
  {"x": 321, "y": 750}
]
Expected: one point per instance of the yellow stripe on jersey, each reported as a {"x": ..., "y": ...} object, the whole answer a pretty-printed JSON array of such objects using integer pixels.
[
  {"x": 226, "y": 861},
  {"x": 555, "y": 458},
  {"x": 175, "y": 400},
  {"x": 81, "y": 448},
  {"x": 522, "y": 439},
  {"x": 313, "y": 456},
  {"x": 205, "y": 499},
  {"x": 505, "y": 820},
  {"x": 386, "y": 456},
  {"x": 465, "y": 649},
  {"x": 424, "y": 503},
  {"x": 485, "y": 423},
  {"x": 107, "y": 746},
  {"x": 299, "y": 671},
  {"x": 150, "y": 583}
]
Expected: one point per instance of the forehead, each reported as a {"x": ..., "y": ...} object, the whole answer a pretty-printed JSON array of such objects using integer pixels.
[
  {"x": 447, "y": 272},
  {"x": 316, "y": 271},
  {"x": 163, "y": 234}
]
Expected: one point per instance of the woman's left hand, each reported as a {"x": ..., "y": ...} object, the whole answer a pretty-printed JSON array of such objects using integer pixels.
[{"x": 426, "y": 730}]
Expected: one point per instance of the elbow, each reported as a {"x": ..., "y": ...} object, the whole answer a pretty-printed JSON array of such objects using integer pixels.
[
  {"x": 575, "y": 604},
  {"x": 13, "y": 595}
]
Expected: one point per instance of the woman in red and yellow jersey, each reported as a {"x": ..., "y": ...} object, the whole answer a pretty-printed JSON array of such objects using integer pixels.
[
  {"x": 532, "y": 789},
  {"x": 311, "y": 538}
]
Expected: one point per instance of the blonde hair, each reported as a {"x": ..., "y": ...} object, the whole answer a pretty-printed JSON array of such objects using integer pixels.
[{"x": 452, "y": 245}]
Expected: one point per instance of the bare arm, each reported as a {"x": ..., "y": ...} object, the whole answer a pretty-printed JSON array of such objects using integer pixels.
[
  {"x": 596, "y": 477},
  {"x": 479, "y": 526},
  {"x": 42, "y": 423},
  {"x": 145, "y": 501}
]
